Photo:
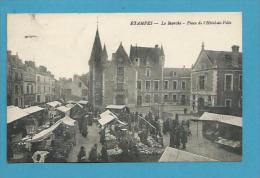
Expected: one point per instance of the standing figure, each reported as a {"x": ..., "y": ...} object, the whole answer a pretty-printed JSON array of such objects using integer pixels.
[
  {"x": 104, "y": 156},
  {"x": 82, "y": 154},
  {"x": 93, "y": 154},
  {"x": 183, "y": 134}
]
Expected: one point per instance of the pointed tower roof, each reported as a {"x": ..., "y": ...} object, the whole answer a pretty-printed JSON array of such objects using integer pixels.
[
  {"x": 96, "y": 49},
  {"x": 121, "y": 51},
  {"x": 162, "y": 51},
  {"x": 104, "y": 51}
]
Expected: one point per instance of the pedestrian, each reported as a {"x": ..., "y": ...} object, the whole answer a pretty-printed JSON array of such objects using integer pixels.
[
  {"x": 93, "y": 154},
  {"x": 183, "y": 135},
  {"x": 177, "y": 136},
  {"x": 82, "y": 155},
  {"x": 84, "y": 128},
  {"x": 104, "y": 156}
]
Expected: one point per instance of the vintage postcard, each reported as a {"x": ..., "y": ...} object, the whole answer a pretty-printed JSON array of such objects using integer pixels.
[{"x": 132, "y": 87}]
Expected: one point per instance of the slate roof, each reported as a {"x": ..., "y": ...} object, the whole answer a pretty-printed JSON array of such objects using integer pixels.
[
  {"x": 180, "y": 72},
  {"x": 143, "y": 52},
  {"x": 96, "y": 49},
  {"x": 222, "y": 59}
]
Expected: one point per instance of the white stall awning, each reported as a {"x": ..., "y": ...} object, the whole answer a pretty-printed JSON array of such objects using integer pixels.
[{"x": 15, "y": 113}]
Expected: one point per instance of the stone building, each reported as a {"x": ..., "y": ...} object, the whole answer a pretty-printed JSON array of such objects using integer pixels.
[
  {"x": 15, "y": 72},
  {"x": 44, "y": 85},
  {"x": 149, "y": 63},
  {"x": 134, "y": 80},
  {"x": 119, "y": 79},
  {"x": 73, "y": 89},
  {"x": 29, "y": 83},
  {"x": 216, "y": 80},
  {"x": 96, "y": 66},
  {"x": 176, "y": 86}
]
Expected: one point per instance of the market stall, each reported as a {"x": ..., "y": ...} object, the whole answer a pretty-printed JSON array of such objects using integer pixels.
[
  {"x": 16, "y": 130},
  {"x": 124, "y": 143},
  {"x": 224, "y": 130}
]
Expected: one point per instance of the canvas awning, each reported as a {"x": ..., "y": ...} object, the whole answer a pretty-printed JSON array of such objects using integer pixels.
[
  {"x": 14, "y": 113},
  {"x": 44, "y": 134},
  {"x": 63, "y": 109},
  {"x": 68, "y": 121},
  {"x": 33, "y": 109},
  {"x": 54, "y": 103},
  {"x": 70, "y": 105},
  {"x": 84, "y": 102},
  {"x": 115, "y": 106},
  {"x": 106, "y": 117},
  {"x": 175, "y": 155},
  {"x": 227, "y": 119}
]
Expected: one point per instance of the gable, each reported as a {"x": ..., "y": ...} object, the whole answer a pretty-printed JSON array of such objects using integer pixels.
[{"x": 203, "y": 62}]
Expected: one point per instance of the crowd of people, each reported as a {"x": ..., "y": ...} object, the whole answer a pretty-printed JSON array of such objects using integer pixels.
[
  {"x": 179, "y": 132},
  {"x": 145, "y": 125}
]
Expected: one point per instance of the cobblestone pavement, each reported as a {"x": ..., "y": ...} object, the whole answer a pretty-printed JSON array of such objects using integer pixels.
[{"x": 92, "y": 138}]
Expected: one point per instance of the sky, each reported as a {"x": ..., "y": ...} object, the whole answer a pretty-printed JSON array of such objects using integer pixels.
[{"x": 63, "y": 42}]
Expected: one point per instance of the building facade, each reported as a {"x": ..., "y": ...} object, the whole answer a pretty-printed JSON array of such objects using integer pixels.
[
  {"x": 73, "y": 89},
  {"x": 216, "y": 80},
  {"x": 96, "y": 66},
  {"x": 149, "y": 63},
  {"x": 15, "y": 73},
  {"x": 29, "y": 83},
  {"x": 139, "y": 79},
  {"x": 176, "y": 86},
  {"x": 119, "y": 80},
  {"x": 44, "y": 85}
]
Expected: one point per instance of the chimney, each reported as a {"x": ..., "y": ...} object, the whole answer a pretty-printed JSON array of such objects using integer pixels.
[
  {"x": 235, "y": 48},
  {"x": 156, "y": 46},
  {"x": 235, "y": 55}
]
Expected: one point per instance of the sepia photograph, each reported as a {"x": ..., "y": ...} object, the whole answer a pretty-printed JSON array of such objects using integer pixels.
[{"x": 124, "y": 87}]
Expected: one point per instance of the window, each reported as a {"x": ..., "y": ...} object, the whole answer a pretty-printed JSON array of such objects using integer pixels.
[
  {"x": 32, "y": 89},
  {"x": 156, "y": 98},
  {"x": 16, "y": 102},
  {"x": 174, "y": 85},
  {"x": 174, "y": 74},
  {"x": 201, "y": 82},
  {"x": 209, "y": 98},
  {"x": 80, "y": 84},
  {"x": 16, "y": 76},
  {"x": 183, "y": 85},
  {"x": 228, "y": 103},
  {"x": 147, "y": 98},
  {"x": 156, "y": 85},
  {"x": 174, "y": 98},
  {"x": 240, "y": 82},
  {"x": 16, "y": 89},
  {"x": 166, "y": 98},
  {"x": 148, "y": 73},
  {"x": 147, "y": 85},
  {"x": 44, "y": 89},
  {"x": 120, "y": 70},
  {"x": 27, "y": 89},
  {"x": 228, "y": 82},
  {"x": 38, "y": 98},
  {"x": 38, "y": 78},
  {"x": 139, "y": 85},
  {"x": 193, "y": 97},
  {"x": 38, "y": 88},
  {"x": 166, "y": 84}
]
